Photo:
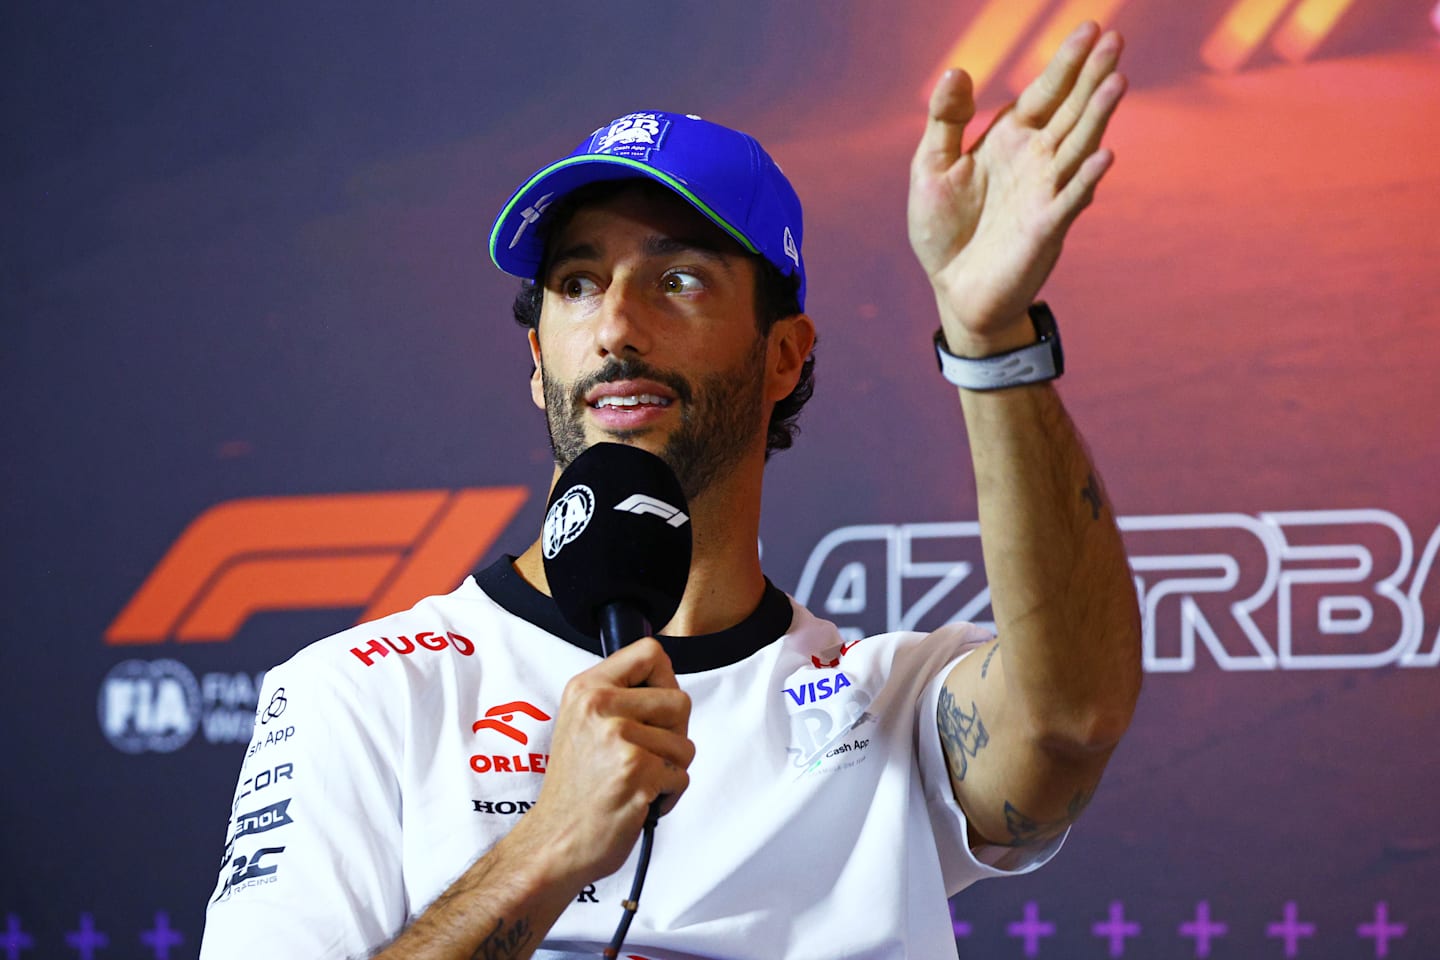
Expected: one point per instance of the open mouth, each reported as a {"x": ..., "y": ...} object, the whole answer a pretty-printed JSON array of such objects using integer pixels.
[{"x": 631, "y": 401}]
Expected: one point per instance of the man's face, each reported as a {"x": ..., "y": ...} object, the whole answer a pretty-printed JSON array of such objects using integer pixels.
[{"x": 648, "y": 336}]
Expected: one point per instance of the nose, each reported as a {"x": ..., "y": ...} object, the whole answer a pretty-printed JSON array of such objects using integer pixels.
[{"x": 622, "y": 324}]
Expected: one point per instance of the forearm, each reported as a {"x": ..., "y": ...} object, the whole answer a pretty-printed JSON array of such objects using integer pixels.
[
  {"x": 499, "y": 909},
  {"x": 1060, "y": 585}
]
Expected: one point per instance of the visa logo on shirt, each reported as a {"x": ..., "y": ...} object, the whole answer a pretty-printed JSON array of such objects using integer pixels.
[{"x": 822, "y": 689}]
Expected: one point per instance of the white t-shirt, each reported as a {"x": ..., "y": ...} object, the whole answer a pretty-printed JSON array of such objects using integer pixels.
[{"x": 819, "y": 820}]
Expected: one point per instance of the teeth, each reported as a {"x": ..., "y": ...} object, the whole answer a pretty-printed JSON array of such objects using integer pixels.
[{"x": 632, "y": 401}]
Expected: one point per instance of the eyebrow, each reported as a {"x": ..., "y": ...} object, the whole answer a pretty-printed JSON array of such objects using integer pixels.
[{"x": 656, "y": 245}]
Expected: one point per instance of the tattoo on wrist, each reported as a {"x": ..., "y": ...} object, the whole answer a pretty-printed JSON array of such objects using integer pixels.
[
  {"x": 1026, "y": 831},
  {"x": 962, "y": 734},
  {"x": 505, "y": 944},
  {"x": 1090, "y": 493},
  {"x": 985, "y": 667}
]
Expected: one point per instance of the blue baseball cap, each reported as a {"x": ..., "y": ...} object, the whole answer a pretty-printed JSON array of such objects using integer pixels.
[{"x": 723, "y": 173}]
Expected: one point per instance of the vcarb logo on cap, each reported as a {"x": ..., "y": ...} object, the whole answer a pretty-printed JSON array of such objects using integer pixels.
[
  {"x": 633, "y": 136},
  {"x": 568, "y": 518}
]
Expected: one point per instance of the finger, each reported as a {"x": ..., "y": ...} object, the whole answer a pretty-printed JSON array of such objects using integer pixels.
[
  {"x": 1084, "y": 140},
  {"x": 654, "y": 706},
  {"x": 643, "y": 662},
  {"x": 672, "y": 748},
  {"x": 1078, "y": 193},
  {"x": 650, "y": 774},
  {"x": 1039, "y": 101},
  {"x": 670, "y": 795},
  {"x": 1099, "y": 67},
  {"x": 952, "y": 105}
]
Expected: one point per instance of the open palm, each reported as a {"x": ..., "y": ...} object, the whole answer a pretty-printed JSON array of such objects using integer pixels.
[{"x": 987, "y": 224}]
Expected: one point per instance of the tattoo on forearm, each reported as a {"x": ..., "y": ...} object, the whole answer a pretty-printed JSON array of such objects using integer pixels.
[
  {"x": 985, "y": 667},
  {"x": 505, "y": 944},
  {"x": 1027, "y": 831},
  {"x": 962, "y": 734},
  {"x": 1091, "y": 495}
]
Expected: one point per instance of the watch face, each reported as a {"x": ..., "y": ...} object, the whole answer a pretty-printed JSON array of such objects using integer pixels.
[
  {"x": 1043, "y": 320},
  {"x": 1048, "y": 332}
]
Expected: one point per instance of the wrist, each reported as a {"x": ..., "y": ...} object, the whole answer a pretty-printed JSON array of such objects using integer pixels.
[
  {"x": 1000, "y": 338},
  {"x": 1008, "y": 360},
  {"x": 537, "y": 863},
  {"x": 975, "y": 328}
]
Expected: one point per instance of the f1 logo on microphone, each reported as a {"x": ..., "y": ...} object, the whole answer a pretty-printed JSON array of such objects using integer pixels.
[{"x": 639, "y": 503}]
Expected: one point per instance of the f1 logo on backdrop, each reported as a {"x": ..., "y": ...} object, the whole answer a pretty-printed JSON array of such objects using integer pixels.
[{"x": 378, "y": 551}]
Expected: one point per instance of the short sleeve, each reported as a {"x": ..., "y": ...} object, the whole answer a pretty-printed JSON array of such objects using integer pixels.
[
  {"x": 960, "y": 865},
  {"x": 312, "y": 850}
]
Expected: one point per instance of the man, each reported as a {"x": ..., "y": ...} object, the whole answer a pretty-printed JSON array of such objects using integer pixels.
[{"x": 822, "y": 799}]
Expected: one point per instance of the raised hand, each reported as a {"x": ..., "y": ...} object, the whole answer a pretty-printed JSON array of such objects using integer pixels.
[{"x": 987, "y": 224}]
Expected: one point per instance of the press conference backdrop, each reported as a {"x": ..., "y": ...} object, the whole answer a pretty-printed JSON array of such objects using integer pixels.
[{"x": 260, "y": 382}]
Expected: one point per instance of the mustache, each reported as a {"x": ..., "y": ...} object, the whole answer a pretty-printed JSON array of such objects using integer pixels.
[{"x": 631, "y": 368}]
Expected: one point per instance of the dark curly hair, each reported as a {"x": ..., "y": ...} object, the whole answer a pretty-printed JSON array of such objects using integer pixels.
[{"x": 776, "y": 297}]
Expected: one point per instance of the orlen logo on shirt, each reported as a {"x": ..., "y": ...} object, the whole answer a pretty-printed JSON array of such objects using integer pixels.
[{"x": 500, "y": 720}]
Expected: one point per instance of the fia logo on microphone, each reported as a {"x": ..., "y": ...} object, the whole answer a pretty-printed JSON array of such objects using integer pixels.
[{"x": 567, "y": 519}]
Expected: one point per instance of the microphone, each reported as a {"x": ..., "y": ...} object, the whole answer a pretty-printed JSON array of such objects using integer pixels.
[{"x": 616, "y": 544}]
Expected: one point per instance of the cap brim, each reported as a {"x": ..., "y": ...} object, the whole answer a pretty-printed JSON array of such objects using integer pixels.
[{"x": 517, "y": 241}]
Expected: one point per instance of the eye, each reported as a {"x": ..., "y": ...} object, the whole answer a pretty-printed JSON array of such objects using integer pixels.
[
  {"x": 575, "y": 288},
  {"x": 681, "y": 281}
]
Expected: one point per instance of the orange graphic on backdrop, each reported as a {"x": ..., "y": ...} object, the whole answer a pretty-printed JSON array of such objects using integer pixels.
[
  {"x": 1026, "y": 33},
  {"x": 380, "y": 551}
]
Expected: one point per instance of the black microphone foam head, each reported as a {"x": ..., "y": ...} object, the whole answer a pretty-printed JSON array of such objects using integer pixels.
[{"x": 617, "y": 529}]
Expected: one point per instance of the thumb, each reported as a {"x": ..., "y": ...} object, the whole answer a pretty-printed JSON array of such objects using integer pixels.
[{"x": 952, "y": 105}]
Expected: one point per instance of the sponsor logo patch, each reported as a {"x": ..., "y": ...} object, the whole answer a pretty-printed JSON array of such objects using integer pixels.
[
  {"x": 824, "y": 713},
  {"x": 635, "y": 136},
  {"x": 275, "y": 707},
  {"x": 504, "y": 808},
  {"x": 249, "y": 871},
  {"x": 263, "y": 780},
  {"x": 266, "y": 818},
  {"x": 403, "y": 645},
  {"x": 498, "y": 719}
]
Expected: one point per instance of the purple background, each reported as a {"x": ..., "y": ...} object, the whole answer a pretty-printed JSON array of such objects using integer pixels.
[{"x": 243, "y": 256}]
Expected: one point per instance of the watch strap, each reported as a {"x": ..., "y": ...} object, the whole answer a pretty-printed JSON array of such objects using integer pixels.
[{"x": 1036, "y": 363}]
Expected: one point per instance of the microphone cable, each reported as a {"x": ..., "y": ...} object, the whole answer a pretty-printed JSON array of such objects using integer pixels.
[
  {"x": 613, "y": 628},
  {"x": 647, "y": 840}
]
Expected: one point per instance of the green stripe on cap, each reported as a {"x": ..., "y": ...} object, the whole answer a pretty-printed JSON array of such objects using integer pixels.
[{"x": 647, "y": 171}]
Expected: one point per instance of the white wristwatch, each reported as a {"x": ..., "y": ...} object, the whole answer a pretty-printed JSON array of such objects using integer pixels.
[{"x": 1036, "y": 363}]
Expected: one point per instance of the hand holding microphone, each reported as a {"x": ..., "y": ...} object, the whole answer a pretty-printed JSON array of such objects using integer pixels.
[{"x": 616, "y": 545}]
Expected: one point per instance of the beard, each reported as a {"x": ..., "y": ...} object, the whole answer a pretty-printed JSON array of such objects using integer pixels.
[{"x": 719, "y": 420}]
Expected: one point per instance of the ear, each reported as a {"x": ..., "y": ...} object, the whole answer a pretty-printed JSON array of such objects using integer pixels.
[
  {"x": 537, "y": 384},
  {"x": 791, "y": 340}
]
